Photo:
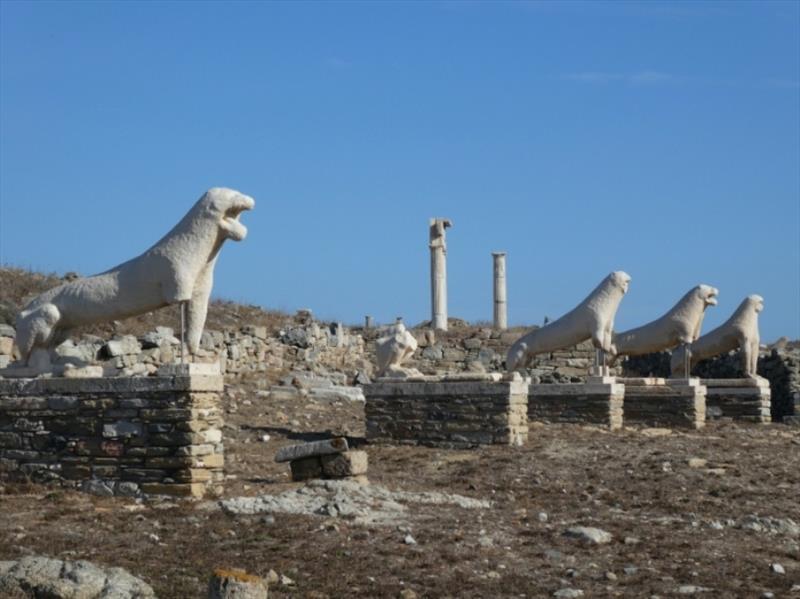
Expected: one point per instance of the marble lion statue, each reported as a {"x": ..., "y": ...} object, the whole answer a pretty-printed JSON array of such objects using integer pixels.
[
  {"x": 592, "y": 319},
  {"x": 394, "y": 349},
  {"x": 680, "y": 325},
  {"x": 740, "y": 331},
  {"x": 179, "y": 268}
]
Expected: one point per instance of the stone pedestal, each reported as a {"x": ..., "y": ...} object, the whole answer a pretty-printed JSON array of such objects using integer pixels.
[
  {"x": 746, "y": 399},
  {"x": 153, "y": 435},
  {"x": 455, "y": 412},
  {"x": 597, "y": 401},
  {"x": 671, "y": 403}
]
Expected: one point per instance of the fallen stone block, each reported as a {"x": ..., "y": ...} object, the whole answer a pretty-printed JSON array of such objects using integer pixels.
[
  {"x": 316, "y": 448},
  {"x": 349, "y": 463}
]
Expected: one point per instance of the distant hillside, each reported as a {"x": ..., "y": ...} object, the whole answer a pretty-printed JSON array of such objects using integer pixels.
[{"x": 18, "y": 286}]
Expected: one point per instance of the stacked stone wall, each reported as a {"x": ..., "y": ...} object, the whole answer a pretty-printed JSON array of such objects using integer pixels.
[
  {"x": 477, "y": 350},
  {"x": 126, "y": 436},
  {"x": 447, "y": 413},
  {"x": 300, "y": 346},
  {"x": 781, "y": 366}
]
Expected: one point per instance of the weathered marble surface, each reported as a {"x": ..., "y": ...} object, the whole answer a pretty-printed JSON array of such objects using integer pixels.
[
  {"x": 592, "y": 319},
  {"x": 438, "y": 247},
  {"x": 394, "y": 349},
  {"x": 740, "y": 331},
  {"x": 179, "y": 268},
  {"x": 680, "y": 325}
]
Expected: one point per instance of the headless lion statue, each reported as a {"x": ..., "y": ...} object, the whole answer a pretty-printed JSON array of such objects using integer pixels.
[
  {"x": 739, "y": 331},
  {"x": 179, "y": 268},
  {"x": 592, "y": 318},
  {"x": 681, "y": 325},
  {"x": 394, "y": 349}
]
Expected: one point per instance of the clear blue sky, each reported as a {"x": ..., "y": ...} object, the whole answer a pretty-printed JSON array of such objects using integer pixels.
[{"x": 661, "y": 138}]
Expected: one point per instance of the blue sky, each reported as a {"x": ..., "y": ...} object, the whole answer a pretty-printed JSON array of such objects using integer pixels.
[{"x": 660, "y": 138}]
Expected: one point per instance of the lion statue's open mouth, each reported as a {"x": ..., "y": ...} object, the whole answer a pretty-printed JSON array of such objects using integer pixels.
[{"x": 230, "y": 218}]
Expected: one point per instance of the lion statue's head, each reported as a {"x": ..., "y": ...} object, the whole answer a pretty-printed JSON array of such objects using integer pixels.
[
  {"x": 621, "y": 279},
  {"x": 225, "y": 206},
  {"x": 707, "y": 294},
  {"x": 755, "y": 303}
]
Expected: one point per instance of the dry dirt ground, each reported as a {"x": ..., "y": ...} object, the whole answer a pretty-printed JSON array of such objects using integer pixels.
[{"x": 676, "y": 526}]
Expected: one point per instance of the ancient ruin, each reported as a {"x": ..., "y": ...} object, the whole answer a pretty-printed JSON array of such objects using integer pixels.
[
  {"x": 740, "y": 332},
  {"x": 394, "y": 349},
  {"x": 681, "y": 325},
  {"x": 177, "y": 269},
  {"x": 500, "y": 315},
  {"x": 592, "y": 319},
  {"x": 438, "y": 247}
]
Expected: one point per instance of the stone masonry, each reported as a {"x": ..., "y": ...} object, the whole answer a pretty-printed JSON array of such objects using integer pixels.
[
  {"x": 448, "y": 413},
  {"x": 157, "y": 435},
  {"x": 674, "y": 403},
  {"x": 598, "y": 401}
]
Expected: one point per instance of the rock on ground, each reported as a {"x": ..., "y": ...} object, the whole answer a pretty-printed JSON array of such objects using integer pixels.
[
  {"x": 366, "y": 504},
  {"x": 37, "y": 576},
  {"x": 588, "y": 534}
]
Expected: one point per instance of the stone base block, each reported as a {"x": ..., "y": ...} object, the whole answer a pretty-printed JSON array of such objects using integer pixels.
[
  {"x": 124, "y": 436},
  {"x": 674, "y": 403},
  {"x": 598, "y": 401},
  {"x": 339, "y": 465},
  {"x": 450, "y": 413},
  {"x": 740, "y": 399}
]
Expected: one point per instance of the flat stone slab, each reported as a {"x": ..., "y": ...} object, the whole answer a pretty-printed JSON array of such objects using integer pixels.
[
  {"x": 481, "y": 377},
  {"x": 134, "y": 384},
  {"x": 640, "y": 381},
  {"x": 746, "y": 383},
  {"x": 315, "y": 448},
  {"x": 190, "y": 369}
]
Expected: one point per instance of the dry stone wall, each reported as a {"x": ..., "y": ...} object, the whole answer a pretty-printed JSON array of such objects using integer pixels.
[
  {"x": 781, "y": 366},
  {"x": 446, "y": 413},
  {"x": 482, "y": 349},
  {"x": 303, "y": 346},
  {"x": 125, "y": 436}
]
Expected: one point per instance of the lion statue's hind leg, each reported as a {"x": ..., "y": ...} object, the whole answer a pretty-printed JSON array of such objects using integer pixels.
[{"x": 36, "y": 328}]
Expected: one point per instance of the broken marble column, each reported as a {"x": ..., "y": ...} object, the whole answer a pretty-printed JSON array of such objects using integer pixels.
[
  {"x": 438, "y": 248},
  {"x": 500, "y": 305}
]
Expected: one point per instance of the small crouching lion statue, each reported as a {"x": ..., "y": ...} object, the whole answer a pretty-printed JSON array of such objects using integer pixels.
[
  {"x": 179, "y": 268},
  {"x": 592, "y": 319},
  {"x": 394, "y": 349},
  {"x": 740, "y": 331}
]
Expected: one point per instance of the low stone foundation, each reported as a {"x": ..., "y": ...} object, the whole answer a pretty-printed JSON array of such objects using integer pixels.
[
  {"x": 443, "y": 412},
  {"x": 673, "y": 403},
  {"x": 127, "y": 436},
  {"x": 598, "y": 401},
  {"x": 740, "y": 399}
]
